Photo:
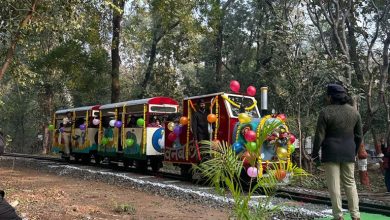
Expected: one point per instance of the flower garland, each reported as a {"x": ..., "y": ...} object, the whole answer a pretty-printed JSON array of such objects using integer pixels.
[{"x": 237, "y": 105}]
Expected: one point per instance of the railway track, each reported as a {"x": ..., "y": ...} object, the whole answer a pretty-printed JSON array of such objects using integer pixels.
[{"x": 307, "y": 197}]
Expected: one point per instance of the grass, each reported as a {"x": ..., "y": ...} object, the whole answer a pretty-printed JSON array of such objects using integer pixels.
[{"x": 124, "y": 208}]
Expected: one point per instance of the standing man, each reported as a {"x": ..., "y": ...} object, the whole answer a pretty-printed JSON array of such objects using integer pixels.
[
  {"x": 339, "y": 135},
  {"x": 199, "y": 123},
  {"x": 67, "y": 132},
  {"x": 386, "y": 163}
]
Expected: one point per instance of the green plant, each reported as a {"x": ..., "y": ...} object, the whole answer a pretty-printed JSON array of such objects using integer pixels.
[
  {"x": 224, "y": 171},
  {"x": 124, "y": 208}
]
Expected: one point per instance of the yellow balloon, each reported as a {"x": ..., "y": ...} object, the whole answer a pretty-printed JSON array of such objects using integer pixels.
[
  {"x": 171, "y": 126},
  {"x": 244, "y": 118},
  {"x": 281, "y": 153}
]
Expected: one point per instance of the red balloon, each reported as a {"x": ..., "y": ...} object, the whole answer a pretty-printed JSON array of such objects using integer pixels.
[
  {"x": 251, "y": 90},
  {"x": 282, "y": 117},
  {"x": 292, "y": 138},
  {"x": 172, "y": 136},
  {"x": 235, "y": 86},
  {"x": 250, "y": 136}
]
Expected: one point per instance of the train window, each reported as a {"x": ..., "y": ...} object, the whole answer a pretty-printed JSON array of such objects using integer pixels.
[
  {"x": 162, "y": 109},
  {"x": 244, "y": 102}
]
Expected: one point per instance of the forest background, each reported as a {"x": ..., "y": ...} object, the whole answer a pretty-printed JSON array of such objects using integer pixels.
[{"x": 67, "y": 53}]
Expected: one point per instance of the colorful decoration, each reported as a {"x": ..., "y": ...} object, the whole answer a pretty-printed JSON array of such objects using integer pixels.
[
  {"x": 105, "y": 141},
  {"x": 140, "y": 122},
  {"x": 238, "y": 147},
  {"x": 280, "y": 174},
  {"x": 118, "y": 124},
  {"x": 51, "y": 127},
  {"x": 211, "y": 118},
  {"x": 251, "y": 90},
  {"x": 251, "y": 146},
  {"x": 282, "y": 117},
  {"x": 95, "y": 121},
  {"x": 235, "y": 86},
  {"x": 183, "y": 120},
  {"x": 282, "y": 153},
  {"x": 237, "y": 105},
  {"x": 250, "y": 136},
  {"x": 292, "y": 139},
  {"x": 252, "y": 172},
  {"x": 171, "y": 126},
  {"x": 112, "y": 123},
  {"x": 172, "y": 136},
  {"x": 82, "y": 127},
  {"x": 244, "y": 118},
  {"x": 177, "y": 130},
  {"x": 129, "y": 142},
  {"x": 292, "y": 148}
]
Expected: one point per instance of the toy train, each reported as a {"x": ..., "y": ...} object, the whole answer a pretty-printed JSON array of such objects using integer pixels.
[{"x": 148, "y": 132}]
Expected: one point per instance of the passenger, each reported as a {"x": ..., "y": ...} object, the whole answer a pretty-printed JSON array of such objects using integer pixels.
[
  {"x": 67, "y": 123},
  {"x": 386, "y": 163},
  {"x": 339, "y": 135},
  {"x": 199, "y": 123},
  {"x": 132, "y": 122},
  {"x": 6, "y": 210}
]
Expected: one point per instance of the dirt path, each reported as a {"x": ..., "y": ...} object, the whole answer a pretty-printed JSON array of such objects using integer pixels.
[{"x": 46, "y": 196}]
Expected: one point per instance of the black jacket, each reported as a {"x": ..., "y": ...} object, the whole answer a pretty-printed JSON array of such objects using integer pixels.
[
  {"x": 339, "y": 134},
  {"x": 200, "y": 125}
]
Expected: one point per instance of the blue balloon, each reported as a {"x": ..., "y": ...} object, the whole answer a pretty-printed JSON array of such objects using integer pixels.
[{"x": 238, "y": 147}]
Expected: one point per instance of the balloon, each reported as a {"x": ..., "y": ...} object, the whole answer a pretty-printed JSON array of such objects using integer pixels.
[
  {"x": 292, "y": 148},
  {"x": 211, "y": 118},
  {"x": 95, "y": 121},
  {"x": 235, "y": 86},
  {"x": 83, "y": 127},
  {"x": 250, "y": 136},
  {"x": 252, "y": 172},
  {"x": 282, "y": 117},
  {"x": 248, "y": 158},
  {"x": 171, "y": 126},
  {"x": 177, "y": 130},
  {"x": 292, "y": 139},
  {"x": 238, "y": 147},
  {"x": 183, "y": 120},
  {"x": 112, "y": 123},
  {"x": 244, "y": 118},
  {"x": 129, "y": 142},
  {"x": 104, "y": 141},
  {"x": 118, "y": 124},
  {"x": 251, "y": 146},
  {"x": 251, "y": 91},
  {"x": 280, "y": 174},
  {"x": 282, "y": 153},
  {"x": 51, "y": 127},
  {"x": 172, "y": 136},
  {"x": 140, "y": 122}
]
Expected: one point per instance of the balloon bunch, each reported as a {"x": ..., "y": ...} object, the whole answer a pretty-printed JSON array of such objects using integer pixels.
[
  {"x": 116, "y": 123},
  {"x": 235, "y": 87},
  {"x": 176, "y": 129}
]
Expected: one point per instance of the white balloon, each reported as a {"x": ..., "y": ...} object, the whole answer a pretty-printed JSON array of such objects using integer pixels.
[
  {"x": 112, "y": 123},
  {"x": 95, "y": 121}
]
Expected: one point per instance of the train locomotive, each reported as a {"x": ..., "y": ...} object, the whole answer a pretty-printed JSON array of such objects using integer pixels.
[{"x": 151, "y": 132}]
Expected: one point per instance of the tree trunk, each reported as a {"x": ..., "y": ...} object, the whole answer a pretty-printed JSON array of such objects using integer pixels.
[
  {"x": 149, "y": 69},
  {"x": 11, "y": 49},
  {"x": 115, "y": 57},
  {"x": 218, "y": 53}
]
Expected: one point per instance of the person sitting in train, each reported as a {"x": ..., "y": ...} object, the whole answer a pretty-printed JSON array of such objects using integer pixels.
[
  {"x": 155, "y": 122},
  {"x": 67, "y": 130},
  {"x": 132, "y": 122},
  {"x": 200, "y": 123}
]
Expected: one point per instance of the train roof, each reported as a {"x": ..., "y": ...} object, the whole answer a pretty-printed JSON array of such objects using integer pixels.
[
  {"x": 215, "y": 94},
  {"x": 155, "y": 100},
  {"x": 78, "y": 109}
]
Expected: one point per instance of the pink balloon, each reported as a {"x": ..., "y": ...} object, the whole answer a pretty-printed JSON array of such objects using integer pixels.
[
  {"x": 251, "y": 90},
  {"x": 292, "y": 138},
  {"x": 235, "y": 86},
  {"x": 252, "y": 172},
  {"x": 250, "y": 136}
]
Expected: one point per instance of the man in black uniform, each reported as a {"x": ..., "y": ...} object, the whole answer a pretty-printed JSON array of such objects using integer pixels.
[
  {"x": 6, "y": 210},
  {"x": 199, "y": 122}
]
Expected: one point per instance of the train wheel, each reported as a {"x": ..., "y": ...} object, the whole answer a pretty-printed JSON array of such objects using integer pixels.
[
  {"x": 185, "y": 171},
  {"x": 97, "y": 158},
  {"x": 77, "y": 157},
  {"x": 127, "y": 163},
  {"x": 86, "y": 158},
  {"x": 141, "y": 165},
  {"x": 156, "y": 164}
]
